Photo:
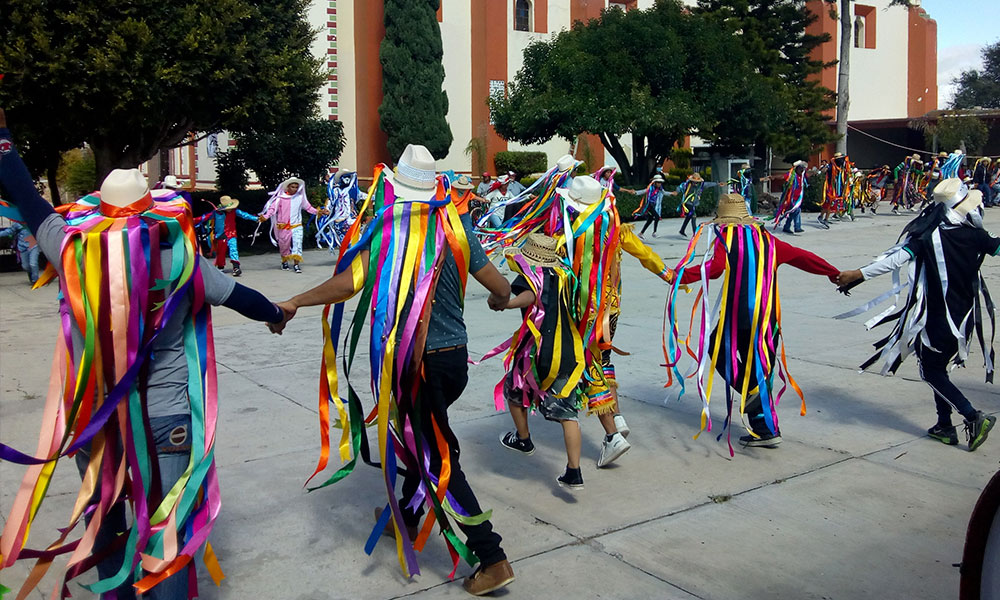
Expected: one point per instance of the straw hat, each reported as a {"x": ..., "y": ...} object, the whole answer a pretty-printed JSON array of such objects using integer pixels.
[
  {"x": 415, "y": 172},
  {"x": 732, "y": 209},
  {"x": 539, "y": 250},
  {"x": 227, "y": 203},
  {"x": 123, "y": 187},
  {"x": 462, "y": 183},
  {"x": 838, "y": 155},
  {"x": 696, "y": 177},
  {"x": 582, "y": 193},
  {"x": 956, "y": 195},
  {"x": 942, "y": 154}
]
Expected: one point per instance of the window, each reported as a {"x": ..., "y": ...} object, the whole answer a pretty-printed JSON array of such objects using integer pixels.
[
  {"x": 859, "y": 32},
  {"x": 522, "y": 15},
  {"x": 864, "y": 26}
]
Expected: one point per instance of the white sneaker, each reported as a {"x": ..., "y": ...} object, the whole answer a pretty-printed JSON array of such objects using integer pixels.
[
  {"x": 621, "y": 425},
  {"x": 610, "y": 451}
]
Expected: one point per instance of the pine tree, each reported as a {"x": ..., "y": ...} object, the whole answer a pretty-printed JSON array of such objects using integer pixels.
[{"x": 414, "y": 108}]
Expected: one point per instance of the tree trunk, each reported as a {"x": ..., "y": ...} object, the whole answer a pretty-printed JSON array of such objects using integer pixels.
[
  {"x": 52, "y": 172},
  {"x": 610, "y": 143},
  {"x": 640, "y": 164},
  {"x": 844, "y": 74}
]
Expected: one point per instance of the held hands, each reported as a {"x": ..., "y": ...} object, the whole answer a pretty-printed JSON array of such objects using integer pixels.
[
  {"x": 288, "y": 309},
  {"x": 497, "y": 302},
  {"x": 848, "y": 277},
  {"x": 261, "y": 218}
]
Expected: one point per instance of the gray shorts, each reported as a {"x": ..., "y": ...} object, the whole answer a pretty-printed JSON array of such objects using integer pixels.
[{"x": 552, "y": 408}]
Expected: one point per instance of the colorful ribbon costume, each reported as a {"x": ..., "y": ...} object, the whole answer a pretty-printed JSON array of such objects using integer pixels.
[
  {"x": 343, "y": 195},
  {"x": 837, "y": 185},
  {"x": 119, "y": 295},
  {"x": 791, "y": 195},
  {"x": 405, "y": 241}
]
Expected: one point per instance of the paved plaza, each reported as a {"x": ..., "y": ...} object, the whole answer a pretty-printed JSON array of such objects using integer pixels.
[{"x": 856, "y": 503}]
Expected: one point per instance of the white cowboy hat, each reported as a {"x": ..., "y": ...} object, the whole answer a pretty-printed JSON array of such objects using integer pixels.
[
  {"x": 800, "y": 163},
  {"x": 289, "y": 181},
  {"x": 566, "y": 162},
  {"x": 956, "y": 195},
  {"x": 170, "y": 182},
  {"x": 582, "y": 193},
  {"x": 415, "y": 177},
  {"x": 123, "y": 187},
  {"x": 657, "y": 178}
]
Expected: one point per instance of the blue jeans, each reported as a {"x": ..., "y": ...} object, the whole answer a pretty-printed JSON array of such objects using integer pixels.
[
  {"x": 172, "y": 437},
  {"x": 794, "y": 218},
  {"x": 29, "y": 262}
]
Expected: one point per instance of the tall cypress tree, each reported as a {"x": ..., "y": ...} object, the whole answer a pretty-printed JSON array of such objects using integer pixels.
[{"x": 414, "y": 107}]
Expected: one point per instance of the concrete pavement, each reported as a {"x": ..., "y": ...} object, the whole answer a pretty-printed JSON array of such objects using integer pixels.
[{"x": 857, "y": 502}]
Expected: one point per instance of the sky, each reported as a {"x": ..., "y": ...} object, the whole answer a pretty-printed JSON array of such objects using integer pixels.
[{"x": 964, "y": 28}]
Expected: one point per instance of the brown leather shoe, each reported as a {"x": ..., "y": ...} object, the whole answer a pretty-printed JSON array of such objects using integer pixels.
[{"x": 489, "y": 579}]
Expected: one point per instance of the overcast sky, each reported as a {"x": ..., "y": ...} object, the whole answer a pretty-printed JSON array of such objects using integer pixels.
[{"x": 964, "y": 28}]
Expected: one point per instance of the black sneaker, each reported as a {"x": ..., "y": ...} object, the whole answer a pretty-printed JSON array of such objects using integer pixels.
[
  {"x": 572, "y": 479},
  {"x": 764, "y": 440},
  {"x": 978, "y": 430},
  {"x": 945, "y": 435},
  {"x": 237, "y": 271},
  {"x": 510, "y": 441},
  {"x": 284, "y": 266},
  {"x": 296, "y": 268}
]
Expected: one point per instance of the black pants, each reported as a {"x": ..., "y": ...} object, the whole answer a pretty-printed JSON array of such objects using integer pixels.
[
  {"x": 754, "y": 408},
  {"x": 445, "y": 377},
  {"x": 692, "y": 219},
  {"x": 651, "y": 217},
  {"x": 934, "y": 370}
]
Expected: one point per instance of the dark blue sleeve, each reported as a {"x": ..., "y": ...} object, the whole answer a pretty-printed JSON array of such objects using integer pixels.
[
  {"x": 18, "y": 186},
  {"x": 253, "y": 305}
]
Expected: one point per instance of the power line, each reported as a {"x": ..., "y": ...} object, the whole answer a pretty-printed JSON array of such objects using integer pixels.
[{"x": 884, "y": 141}]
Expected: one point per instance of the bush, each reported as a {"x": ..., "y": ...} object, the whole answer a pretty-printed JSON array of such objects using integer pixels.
[
  {"x": 77, "y": 173},
  {"x": 520, "y": 162},
  {"x": 813, "y": 199},
  {"x": 681, "y": 157},
  {"x": 527, "y": 180}
]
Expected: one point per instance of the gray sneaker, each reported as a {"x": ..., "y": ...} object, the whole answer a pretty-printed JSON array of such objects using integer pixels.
[{"x": 610, "y": 451}]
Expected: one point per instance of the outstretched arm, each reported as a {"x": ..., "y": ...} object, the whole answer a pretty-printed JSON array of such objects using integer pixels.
[
  {"x": 497, "y": 285},
  {"x": 16, "y": 181},
  {"x": 715, "y": 268},
  {"x": 245, "y": 215},
  {"x": 648, "y": 258},
  {"x": 805, "y": 260},
  {"x": 522, "y": 300}
]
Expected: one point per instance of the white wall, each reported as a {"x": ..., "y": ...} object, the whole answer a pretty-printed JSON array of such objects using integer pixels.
[
  {"x": 456, "y": 35},
  {"x": 879, "y": 76},
  {"x": 346, "y": 84}
]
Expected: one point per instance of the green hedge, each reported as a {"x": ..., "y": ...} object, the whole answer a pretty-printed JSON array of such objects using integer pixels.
[
  {"x": 522, "y": 163},
  {"x": 813, "y": 199}
]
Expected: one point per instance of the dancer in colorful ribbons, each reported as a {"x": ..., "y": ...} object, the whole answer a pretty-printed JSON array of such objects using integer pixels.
[
  {"x": 343, "y": 198},
  {"x": 650, "y": 205},
  {"x": 743, "y": 185},
  {"x": 25, "y": 247},
  {"x": 790, "y": 205},
  {"x": 544, "y": 361},
  {"x": 906, "y": 175},
  {"x": 934, "y": 174},
  {"x": 133, "y": 387},
  {"x": 740, "y": 334},
  {"x": 994, "y": 180},
  {"x": 690, "y": 192},
  {"x": 874, "y": 188},
  {"x": 981, "y": 179},
  {"x": 943, "y": 249},
  {"x": 953, "y": 166},
  {"x": 284, "y": 208},
  {"x": 223, "y": 232},
  {"x": 410, "y": 265},
  {"x": 836, "y": 187}
]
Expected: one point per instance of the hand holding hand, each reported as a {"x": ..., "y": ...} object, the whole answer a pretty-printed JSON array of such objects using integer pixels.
[
  {"x": 497, "y": 302},
  {"x": 324, "y": 211},
  {"x": 848, "y": 277},
  {"x": 261, "y": 218},
  {"x": 288, "y": 309}
]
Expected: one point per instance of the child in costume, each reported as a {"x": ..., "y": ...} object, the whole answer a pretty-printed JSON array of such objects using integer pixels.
[
  {"x": 906, "y": 176},
  {"x": 25, "y": 247},
  {"x": 545, "y": 355},
  {"x": 944, "y": 250},
  {"x": 790, "y": 205},
  {"x": 650, "y": 205},
  {"x": 743, "y": 185},
  {"x": 874, "y": 188},
  {"x": 836, "y": 187},
  {"x": 740, "y": 335},
  {"x": 343, "y": 200},
  {"x": 690, "y": 192},
  {"x": 133, "y": 388},
  {"x": 223, "y": 233},
  {"x": 284, "y": 208},
  {"x": 410, "y": 266}
]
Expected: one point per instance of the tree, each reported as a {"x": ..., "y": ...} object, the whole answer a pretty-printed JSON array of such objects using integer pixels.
[
  {"x": 306, "y": 151},
  {"x": 414, "y": 108},
  {"x": 968, "y": 133},
  {"x": 131, "y": 77},
  {"x": 773, "y": 34},
  {"x": 657, "y": 74},
  {"x": 980, "y": 88}
]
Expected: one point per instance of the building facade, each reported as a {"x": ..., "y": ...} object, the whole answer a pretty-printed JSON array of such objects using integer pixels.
[{"x": 893, "y": 71}]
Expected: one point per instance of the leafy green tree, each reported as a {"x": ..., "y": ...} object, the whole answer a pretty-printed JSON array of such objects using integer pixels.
[
  {"x": 980, "y": 88},
  {"x": 658, "y": 74},
  {"x": 414, "y": 107},
  {"x": 968, "y": 133},
  {"x": 131, "y": 77},
  {"x": 773, "y": 34},
  {"x": 77, "y": 172},
  {"x": 306, "y": 151}
]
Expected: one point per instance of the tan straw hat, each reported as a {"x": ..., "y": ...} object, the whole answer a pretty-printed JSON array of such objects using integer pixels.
[
  {"x": 539, "y": 250},
  {"x": 732, "y": 209},
  {"x": 696, "y": 177},
  {"x": 462, "y": 183},
  {"x": 227, "y": 203}
]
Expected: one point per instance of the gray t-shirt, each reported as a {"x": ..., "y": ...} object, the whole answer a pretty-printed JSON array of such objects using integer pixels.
[
  {"x": 447, "y": 325},
  {"x": 166, "y": 389}
]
